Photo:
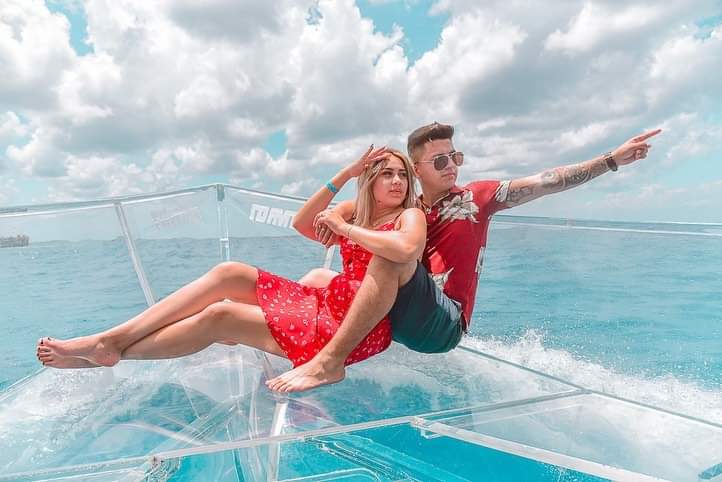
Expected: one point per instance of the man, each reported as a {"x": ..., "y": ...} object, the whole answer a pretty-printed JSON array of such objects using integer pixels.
[{"x": 431, "y": 311}]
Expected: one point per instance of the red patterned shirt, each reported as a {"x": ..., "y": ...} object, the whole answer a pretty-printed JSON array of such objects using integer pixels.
[{"x": 456, "y": 238}]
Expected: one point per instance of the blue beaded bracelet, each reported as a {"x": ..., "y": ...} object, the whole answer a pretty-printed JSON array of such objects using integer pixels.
[{"x": 331, "y": 187}]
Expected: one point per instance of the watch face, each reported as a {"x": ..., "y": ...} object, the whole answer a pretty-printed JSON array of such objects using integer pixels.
[{"x": 610, "y": 162}]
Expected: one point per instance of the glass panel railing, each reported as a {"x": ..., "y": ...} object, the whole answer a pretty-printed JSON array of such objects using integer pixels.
[
  {"x": 570, "y": 436},
  {"x": 401, "y": 383},
  {"x": 114, "y": 471},
  {"x": 626, "y": 308},
  {"x": 79, "y": 418},
  {"x": 390, "y": 453},
  {"x": 74, "y": 277},
  {"x": 95, "y": 416},
  {"x": 261, "y": 234},
  {"x": 699, "y": 229},
  {"x": 597, "y": 435},
  {"x": 176, "y": 237}
]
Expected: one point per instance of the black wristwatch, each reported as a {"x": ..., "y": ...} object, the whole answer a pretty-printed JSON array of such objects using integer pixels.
[{"x": 611, "y": 163}]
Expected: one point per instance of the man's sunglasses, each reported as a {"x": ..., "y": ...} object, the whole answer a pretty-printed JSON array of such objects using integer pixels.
[{"x": 441, "y": 161}]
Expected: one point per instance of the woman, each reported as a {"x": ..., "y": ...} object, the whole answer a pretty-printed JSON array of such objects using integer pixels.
[{"x": 266, "y": 311}]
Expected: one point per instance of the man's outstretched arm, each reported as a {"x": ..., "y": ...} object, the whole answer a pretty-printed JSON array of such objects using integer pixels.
[{"x": 525, "y": 189}]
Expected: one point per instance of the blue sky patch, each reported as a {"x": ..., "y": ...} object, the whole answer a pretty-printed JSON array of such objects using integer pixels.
[
  {"x": 275, "y": 145},
  {"x": 421, "y": 30},
  {"x": 78, "y": 24},
  {"x": 707, "y": 25}
]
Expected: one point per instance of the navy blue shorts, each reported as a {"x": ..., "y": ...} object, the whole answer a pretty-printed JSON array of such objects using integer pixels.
[{"x": 423, "y": 318}]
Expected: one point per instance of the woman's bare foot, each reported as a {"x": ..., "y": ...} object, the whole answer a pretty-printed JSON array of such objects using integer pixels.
[
  {"x": 91, "y": 348},
  {"x": 314, "y": 373},
  {"x": 51, "y": 360}
]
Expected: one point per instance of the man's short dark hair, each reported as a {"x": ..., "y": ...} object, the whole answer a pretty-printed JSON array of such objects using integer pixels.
[{"x": 424, "y": 134}]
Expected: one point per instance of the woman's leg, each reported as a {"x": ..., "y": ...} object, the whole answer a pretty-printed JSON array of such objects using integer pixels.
[
  {"x": 230, "y": 280},
  {"x": 318, "y": 278},
  {"x": 240, "y": 322}
]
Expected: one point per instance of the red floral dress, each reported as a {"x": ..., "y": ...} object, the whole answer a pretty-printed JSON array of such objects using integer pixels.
[{"x": 303, "y": 319}]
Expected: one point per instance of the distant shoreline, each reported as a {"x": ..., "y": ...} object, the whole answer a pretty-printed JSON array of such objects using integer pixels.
[{"x": 19, "y": 241}]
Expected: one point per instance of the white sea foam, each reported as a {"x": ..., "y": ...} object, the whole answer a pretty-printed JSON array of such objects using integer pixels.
[{"x": 669, "y": 392}]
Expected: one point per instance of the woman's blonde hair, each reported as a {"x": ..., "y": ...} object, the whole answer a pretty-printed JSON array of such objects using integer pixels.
[{"x": 365, "y": 201}]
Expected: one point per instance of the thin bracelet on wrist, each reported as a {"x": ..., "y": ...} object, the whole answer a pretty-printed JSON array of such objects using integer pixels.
[
  {"x": 330, "y": 186},
  {"x": 348, "y": 231}
]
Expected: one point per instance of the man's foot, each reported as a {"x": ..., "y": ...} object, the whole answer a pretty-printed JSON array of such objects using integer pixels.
[
  {"x": 55, "y": 361},
  {"x": 91, "y": 348},
  {"x": 310, "y": 375}
]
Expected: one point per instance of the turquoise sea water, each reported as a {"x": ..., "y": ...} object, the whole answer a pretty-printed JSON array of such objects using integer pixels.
[{"x": 631, "y": 313}]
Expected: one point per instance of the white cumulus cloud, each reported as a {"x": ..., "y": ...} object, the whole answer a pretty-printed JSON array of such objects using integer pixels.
[{"x": 177, "y": 91}]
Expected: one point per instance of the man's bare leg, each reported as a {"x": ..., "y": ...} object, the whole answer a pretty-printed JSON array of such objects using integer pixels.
[
  {"x": 231, "y": 280},
  {"x": 372, "y": 302}
]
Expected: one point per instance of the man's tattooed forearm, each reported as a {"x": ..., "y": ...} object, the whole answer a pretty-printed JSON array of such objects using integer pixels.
[
  {"x": 575, "y": 175},
  {"x": 519, "y": 193},
  {"x": 563, "y": 178},
  {"x": 552, "y": 180},
  {"x": 599, "y": 167}
]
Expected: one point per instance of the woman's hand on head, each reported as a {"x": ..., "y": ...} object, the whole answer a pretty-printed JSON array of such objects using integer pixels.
[{"x": 368, "y": 158}]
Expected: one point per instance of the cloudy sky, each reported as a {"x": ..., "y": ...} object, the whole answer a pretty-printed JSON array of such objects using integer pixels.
[{"x": 110, "y": 97}]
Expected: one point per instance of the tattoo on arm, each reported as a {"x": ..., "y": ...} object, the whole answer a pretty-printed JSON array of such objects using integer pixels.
[
  {"x": 551, "y": 180},
  {"x": 575, "y": 175},
  {"x": 554, "y": 180},
  {"x": 598, "y": 167},
  {"x": 519, "y": 193},
  {"x": 570, "y": 176}
]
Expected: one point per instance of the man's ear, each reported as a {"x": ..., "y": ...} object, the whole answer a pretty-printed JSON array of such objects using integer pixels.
[{"x": 416, "y": 169}]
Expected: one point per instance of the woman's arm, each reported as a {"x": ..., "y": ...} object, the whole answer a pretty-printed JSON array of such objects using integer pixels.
[
  {"x": 401, "y": 246},
  {"x": 303, "y": 220}
]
